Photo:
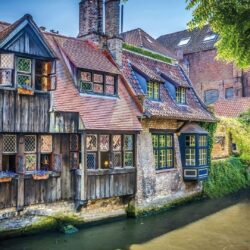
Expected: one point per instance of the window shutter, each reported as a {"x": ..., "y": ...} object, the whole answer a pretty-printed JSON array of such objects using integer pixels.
[
  {"x": 57, "y": 163},
  {"x": 20, "y": 164}
]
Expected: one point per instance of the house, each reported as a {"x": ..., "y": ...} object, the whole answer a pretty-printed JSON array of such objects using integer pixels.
[
  {"x": 87, "y": 119},
  {"x": 213, "y": 80}
]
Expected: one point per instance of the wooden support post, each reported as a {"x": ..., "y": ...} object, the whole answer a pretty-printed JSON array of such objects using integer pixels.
[
  {"x": 1, "y": 152},
  {"x": 20, "y": 193}
]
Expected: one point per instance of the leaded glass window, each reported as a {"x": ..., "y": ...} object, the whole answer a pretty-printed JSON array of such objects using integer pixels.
[
  {"x": 74, "y": 142},
  {"x": 163, "y": 149},
  {"x": 104, "y": 143},
  {"x": 6, "y": 69},
  {"x": 30, "y": 161},
  {"x": 9, "y": 144},
  {"x": 5, "y": 77},
  {"x": 128, "y": 150},
  {"x": 153, "y": 90},
  {"x": 46, "y": 144},
  {"x": 91, "y": 142},
  {"x": 29, "y": 143},
  {"x": 203, "y": 150},
  {"x": 23, "y": 68},
  {"x": 181, "y": 95}
]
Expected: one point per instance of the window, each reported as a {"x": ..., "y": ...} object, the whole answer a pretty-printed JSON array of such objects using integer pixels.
[
  {"x": 210, "y": 37},
  {"x": 74, "y": 147},
  {"x": 97, "y": 83},
  {"x": 153, "y": 90},
  {"x": 211, "y": 96},
  {"x": 6, "y": 69},
  {"x": 46, "y": 152},
  {"x": 9, "y": 153},
  {"x": 229, "y": 94},
  {"x": 184, "y": 41},
  {"x": 23, "y": 75},
  {"x": 181, "y": 95},
  {"x": 196, "y": 148},
  {"x": 30, "y": 152},
  {"x": 106, "y": 151},
  {"x": 163, "y": 147}
]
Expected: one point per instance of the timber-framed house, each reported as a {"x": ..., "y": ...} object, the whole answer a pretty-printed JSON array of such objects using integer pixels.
[{"x": 86, "y": 119}]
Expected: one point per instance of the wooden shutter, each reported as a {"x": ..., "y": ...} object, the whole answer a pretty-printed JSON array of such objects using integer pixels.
[
  {"x": 20, "y": 164},
  {"x": 57, "y": 163}
]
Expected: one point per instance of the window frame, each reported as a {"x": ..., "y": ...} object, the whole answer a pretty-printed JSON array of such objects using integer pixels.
[
  {"x": 111, "y": 151},
  {"x": 93, "y": 83},
  {"x": 11, "y": 70},
  {"x": 166, "y": 148},
  {"x": 181, "y": 95},
  {"x": 154, "y": 97}
]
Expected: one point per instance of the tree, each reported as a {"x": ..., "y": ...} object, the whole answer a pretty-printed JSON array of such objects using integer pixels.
[{"x": 230, "y": 19}]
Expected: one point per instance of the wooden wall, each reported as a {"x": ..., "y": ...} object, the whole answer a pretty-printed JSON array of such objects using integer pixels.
[{"x": 24, "y": 113}]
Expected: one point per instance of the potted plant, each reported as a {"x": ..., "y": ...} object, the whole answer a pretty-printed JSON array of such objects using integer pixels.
[
  {"x": 40, "y": 175},
  {"x": 6, "y": 176}
]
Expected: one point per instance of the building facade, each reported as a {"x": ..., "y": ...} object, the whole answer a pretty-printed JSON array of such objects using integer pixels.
[{"x": 84, "y": 119}]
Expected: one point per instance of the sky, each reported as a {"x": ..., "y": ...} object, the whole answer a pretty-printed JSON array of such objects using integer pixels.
[{"x": 157, "y": 17}]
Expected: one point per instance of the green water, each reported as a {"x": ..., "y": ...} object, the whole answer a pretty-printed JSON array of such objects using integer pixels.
[{"x": 211, "y": 224}]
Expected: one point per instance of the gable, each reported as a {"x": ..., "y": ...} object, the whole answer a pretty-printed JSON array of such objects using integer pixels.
[{"x": 26, "y": 38}]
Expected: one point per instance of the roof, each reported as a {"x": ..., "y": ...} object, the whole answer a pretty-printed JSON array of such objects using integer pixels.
[
  {"x": 96, "y": 112},
  {"x": 232, "y": 108},
  {"x": 140, "y": 38},
  {"x": 193, "y": 128},
  {"x": 167, "y": 108},
  {"x": 196, "y": 43}
]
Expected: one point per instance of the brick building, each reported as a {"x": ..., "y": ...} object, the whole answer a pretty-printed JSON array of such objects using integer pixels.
[{"x": 214, "y": 80}]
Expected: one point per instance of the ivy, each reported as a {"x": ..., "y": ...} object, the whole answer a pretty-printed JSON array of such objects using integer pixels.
[{"x": 147, "y": 53}]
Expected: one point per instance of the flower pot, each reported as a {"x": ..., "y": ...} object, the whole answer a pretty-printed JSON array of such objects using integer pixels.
[
  {"x": 5, "y": 179},
  {"x": 40, "y": 177}
]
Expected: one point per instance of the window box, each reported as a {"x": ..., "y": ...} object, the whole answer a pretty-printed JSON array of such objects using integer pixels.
[
  {"x": 40, "y": 175},
  {"x": 6, "y": 176},
  {"x": 24, "y": 90}
]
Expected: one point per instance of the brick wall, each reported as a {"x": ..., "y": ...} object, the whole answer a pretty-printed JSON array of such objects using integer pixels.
[
  {"x": 207, "y": 73},
  {"x": 156, "y": 188}
]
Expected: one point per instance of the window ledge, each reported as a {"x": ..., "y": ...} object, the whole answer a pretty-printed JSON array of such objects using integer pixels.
[
  {"x": 115, "y": 97},
  {"x": 110, "y": 171},
  {"x": 169, "y": 170}
]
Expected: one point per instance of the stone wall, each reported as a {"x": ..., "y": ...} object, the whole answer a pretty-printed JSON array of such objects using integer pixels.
[{"x": 157, "y": 188}]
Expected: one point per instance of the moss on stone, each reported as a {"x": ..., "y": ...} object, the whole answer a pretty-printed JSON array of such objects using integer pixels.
[{"x": 133, "y": 211}]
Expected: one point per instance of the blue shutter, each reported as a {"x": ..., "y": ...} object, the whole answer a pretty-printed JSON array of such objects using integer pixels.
[
  {"x": 142, "y": 81},
  {"x": 171, "y": 89}
]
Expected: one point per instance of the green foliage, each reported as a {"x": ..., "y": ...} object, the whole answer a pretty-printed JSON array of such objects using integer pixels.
[
  {"x": 240, "y": 135},
  {"x": 147, "y": 53},
  {"x": 211, "y": 128},
  {"x": 245, "y": 118},
  {"x": 227, "y": 176},
  {"x": 231, "y": 20}
]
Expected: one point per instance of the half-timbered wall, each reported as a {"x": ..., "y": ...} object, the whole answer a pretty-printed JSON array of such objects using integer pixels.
[{"x": 24, "y": 113}]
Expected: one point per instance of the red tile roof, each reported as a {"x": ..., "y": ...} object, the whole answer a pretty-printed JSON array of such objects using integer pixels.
[
  {"x": 194, "y": 110},
  {"x": 140, "y": 38},
  {"x": 96, "y": 112},
  {"x": 232, "y": 108}
]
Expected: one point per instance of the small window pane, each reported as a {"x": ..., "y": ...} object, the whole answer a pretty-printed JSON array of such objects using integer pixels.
[
  {"x": 162, "y": 141},
  {"x": 156, "y": 156},
  {"x": 202, "y": 140},
  {"x": 229, "y": 93},
  {"x": 169, "y": 140},
  {"x": 128, "y": 159},
  {"x": 110, "y": 80},
  {"x": 9, "y": 144},
  {"x": 45, "y": 162},
  {"x": 117, "y": 142},
  {"x": 29, "y": 143},
  {"x": 105, "y": 160},
  {"x": 181, "y": 95},
  {"x": 46, "y": 144},
  {"x": 190, "y": 157},
  {"x": 7, "y": 61},
  {"x": 86, "y": 76},
  {"x": 155, "y": 141},
  {"x": 30, "y": 161},
  {"x": 5, "y": 77},
  {"x": 156, "y": 91},
  {"x": 190, "y": 140},
  {"x": 128, "y": 142},
  {"x": 98, "y": 88},
  {"x": 117, "y": 159},
  {"x": 203, "y": 157},
  {"x": 74, "y": 142},
  {"x": 170, "y": 158},
  {"x": 91, "y": 142},
  {"x": 151, "y": 90},
  {"x": 24, "y": 80},
  {"x": 91, "y": 160},
  {"x": 110, "y": 89},
  {"x": 104, "y": 142},
  {"x": 23, "y": 65},
  {"x": 163, "y": 162},
  {"x": 98, "y": 78},
  {"x": 86, "y": 86}
]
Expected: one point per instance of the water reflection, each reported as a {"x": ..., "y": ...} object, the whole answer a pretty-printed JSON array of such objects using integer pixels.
[{"x": 135, "y": 234}]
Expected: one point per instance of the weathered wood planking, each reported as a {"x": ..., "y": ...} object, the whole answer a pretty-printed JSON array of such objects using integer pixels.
[
  {"x": 109, "y": 185},
  {"x": 23, "y": 113},
  {"x": 43, "y": 191},
  {"x": 8, "y": 194}
]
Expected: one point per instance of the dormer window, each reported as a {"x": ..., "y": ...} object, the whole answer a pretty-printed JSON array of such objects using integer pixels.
[
  {"x": 153, "y": 90},
  {"x": 181, "y": 95},
  {"x": 184, "y": 41},
  {"x": 97, "y": 83},
  {"x": 30, "y": 74}
]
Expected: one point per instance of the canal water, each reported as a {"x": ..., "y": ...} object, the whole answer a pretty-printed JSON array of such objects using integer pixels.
[{"x": 205, "y": 225}]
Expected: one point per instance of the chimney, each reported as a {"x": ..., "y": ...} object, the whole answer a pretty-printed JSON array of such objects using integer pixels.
[
  {"x": 112, "y": 29},
  {"x": 91, "y": 20}
]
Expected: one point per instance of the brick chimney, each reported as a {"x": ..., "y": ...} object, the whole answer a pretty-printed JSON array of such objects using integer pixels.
[
  {"x": 112, "y": 29},
  {"x": 91, "y": 20}
]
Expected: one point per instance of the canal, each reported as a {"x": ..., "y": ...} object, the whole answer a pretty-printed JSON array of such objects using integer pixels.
[{"x": 211, "y": 224}]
